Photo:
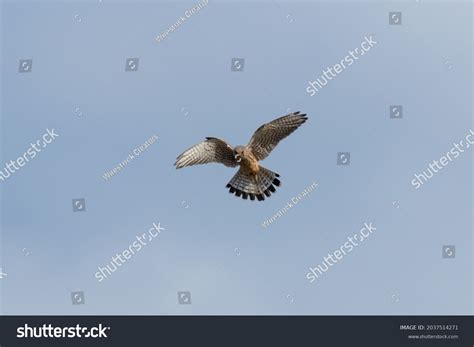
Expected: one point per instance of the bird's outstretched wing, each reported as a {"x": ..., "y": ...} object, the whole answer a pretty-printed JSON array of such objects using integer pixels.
[
  {"x": 269, "y": 135},
  {"x": 212, "y": 150}
]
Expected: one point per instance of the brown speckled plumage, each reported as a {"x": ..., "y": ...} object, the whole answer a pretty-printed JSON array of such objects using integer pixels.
[{"x": 252, "y": 181}]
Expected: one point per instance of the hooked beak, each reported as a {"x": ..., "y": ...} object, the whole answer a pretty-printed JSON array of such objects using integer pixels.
[{"x": 238, "y": 159}]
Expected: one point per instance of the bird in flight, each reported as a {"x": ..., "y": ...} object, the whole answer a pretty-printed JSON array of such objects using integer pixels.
[{"x": 251, "y": 180}]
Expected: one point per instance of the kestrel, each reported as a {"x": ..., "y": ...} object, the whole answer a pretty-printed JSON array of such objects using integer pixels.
[{"x": 252, "y": 180}]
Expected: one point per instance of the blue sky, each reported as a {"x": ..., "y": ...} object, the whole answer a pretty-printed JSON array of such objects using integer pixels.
[{"x": 214, "y": 245}]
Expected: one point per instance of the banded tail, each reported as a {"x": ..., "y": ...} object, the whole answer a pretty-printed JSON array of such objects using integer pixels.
[{"x": 259, "y": 186}]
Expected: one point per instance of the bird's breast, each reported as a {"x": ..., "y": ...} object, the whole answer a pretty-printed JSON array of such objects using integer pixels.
[{"x": 249, "y": 164}]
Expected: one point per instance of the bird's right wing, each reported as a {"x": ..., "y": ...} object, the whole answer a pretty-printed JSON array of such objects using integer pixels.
[
  {"x": 265, "y": 138},
  {"x": 212, "y": 150}
]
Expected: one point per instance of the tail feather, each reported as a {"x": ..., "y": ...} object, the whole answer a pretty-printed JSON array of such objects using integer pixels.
[{"x": 260, "y": 186}]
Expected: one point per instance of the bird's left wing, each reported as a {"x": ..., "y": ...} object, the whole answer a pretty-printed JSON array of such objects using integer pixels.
[
  {"x": 212, "y": 150},
  {"x": 270, "y": 134}
]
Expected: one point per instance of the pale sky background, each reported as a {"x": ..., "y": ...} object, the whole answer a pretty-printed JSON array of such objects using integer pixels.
[{"x": 216, "y": 248}]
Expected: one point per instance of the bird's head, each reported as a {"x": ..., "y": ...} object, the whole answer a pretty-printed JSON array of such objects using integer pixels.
[{"x": 238, "y": 153}]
